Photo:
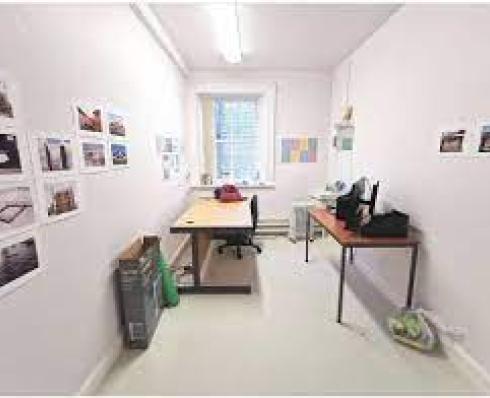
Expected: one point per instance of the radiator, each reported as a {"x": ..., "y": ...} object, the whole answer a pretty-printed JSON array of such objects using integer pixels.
[{"x": 297, "y": 220}]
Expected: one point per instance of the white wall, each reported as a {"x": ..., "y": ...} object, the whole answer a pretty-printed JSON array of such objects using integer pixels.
[
  {"x": 426, "y": 66},
  {"x": 302, "y": 107},
  {"x": 56, "y": 328}
]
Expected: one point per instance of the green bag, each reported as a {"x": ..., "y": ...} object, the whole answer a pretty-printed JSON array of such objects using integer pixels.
[{"x": 169, "y": 289}]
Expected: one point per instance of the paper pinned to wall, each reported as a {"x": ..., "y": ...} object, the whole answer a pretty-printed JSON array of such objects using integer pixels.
[{"x": 300, "y": 149}]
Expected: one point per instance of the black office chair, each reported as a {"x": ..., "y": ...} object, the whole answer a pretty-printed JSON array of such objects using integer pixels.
[{"x": 240, "y": 239}]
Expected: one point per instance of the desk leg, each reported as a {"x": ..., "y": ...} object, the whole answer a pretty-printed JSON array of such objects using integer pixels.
[
  {"x": 341, "y": 285},
  {"x": 411, "y": 279},
  {"x": 351, "y": 255},
  {"x": 196, "y": 271},
  {"x": 307, "y": 237}
]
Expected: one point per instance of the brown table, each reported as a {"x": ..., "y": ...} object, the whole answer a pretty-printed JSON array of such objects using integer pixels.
[
  {"x": 350, "y": 240},
  {"x": 204, "y": 218}
]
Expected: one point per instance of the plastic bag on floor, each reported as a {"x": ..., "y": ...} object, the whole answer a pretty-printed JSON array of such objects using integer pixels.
[{"x": 410, "y": 327}]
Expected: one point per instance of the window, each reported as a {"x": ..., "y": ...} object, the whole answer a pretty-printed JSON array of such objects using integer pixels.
[
  {"x": 236, "y": 136},
  {"x": 236, "y": 124}
]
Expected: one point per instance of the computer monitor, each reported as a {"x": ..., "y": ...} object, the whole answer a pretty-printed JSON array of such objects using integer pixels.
[{"x": 359, "y": 190}]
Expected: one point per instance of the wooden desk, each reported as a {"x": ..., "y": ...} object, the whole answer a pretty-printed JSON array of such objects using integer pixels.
[
  {"x": 205, "y": 217},
  {"x": 351, "y": 240}
]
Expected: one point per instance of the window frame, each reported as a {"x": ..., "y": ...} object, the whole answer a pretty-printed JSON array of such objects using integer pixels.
[
  {"x": 216, "y": 141},
  {"x": 266, "y": 94}
]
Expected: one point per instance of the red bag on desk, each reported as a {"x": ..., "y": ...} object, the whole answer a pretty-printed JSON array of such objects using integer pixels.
[{"x": 229, "y": 193}]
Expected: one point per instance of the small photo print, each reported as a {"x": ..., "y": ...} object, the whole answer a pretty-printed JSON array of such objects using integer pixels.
[
  {"x": 9, "y": 155},
  {"x": 452, "y": 141},
  {"x": 17, "y": 260},
  {"x": 62, "y": 198},
  {"x": 89, "y": 118},
  {"x": 55, "y": 154},
  {"x": 6, "y": 108},
  {"x": 117, "y": 123},
  {"x": 16, "y": 209},
  {"x": 93, "y": 155},
  {"x": 119, "y": 154},
  {"x": 484, "y": 144}
]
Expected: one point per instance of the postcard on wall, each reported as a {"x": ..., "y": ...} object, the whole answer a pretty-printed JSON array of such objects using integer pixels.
[
  {"x": 61, "y": 199},
  {"x": 119, "y": 154},
  {"x": 7, "y": 111},
  {"x": 53, "y": 154},
  {"x": 10, "y": 155},
  {"x": 93, "y": 154},
  {"x": 19, "y": 261},
  {"x": 89, "y": 119},
  {"x": 117, "y": 122},
  {"x": 17, "y": 209}
]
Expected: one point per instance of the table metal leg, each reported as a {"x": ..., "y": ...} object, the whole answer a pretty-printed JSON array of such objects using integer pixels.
[
  {"x": 341, "y": 285},
  {"x": 351, "y": 255},
  {"x": 307, "y": 238},
  {"x": 411, "y": 279},
  {"x": 196, "y": 272}
]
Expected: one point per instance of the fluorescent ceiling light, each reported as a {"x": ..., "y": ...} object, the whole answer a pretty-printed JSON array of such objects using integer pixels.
[{"x": 227, "y": 30}]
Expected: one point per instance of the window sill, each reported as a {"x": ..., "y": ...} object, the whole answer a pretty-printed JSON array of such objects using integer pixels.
[{"x": 265, "y": 185}]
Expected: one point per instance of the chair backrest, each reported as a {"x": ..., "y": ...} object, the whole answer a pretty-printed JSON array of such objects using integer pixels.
[{"x": 254, "y": 210}]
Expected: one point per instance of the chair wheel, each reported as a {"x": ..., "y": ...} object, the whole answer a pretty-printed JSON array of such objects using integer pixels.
[
  {"x": 259, "y": 250},
  {"x": 239, "y": 256},
  {"x": 220, "y": 250}
]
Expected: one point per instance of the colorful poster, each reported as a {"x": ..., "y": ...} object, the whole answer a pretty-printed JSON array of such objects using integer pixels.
[{"x": 299, "y": 149}]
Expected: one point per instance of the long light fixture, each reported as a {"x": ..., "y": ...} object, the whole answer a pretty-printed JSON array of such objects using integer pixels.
[{"x": 227, "y": 30}]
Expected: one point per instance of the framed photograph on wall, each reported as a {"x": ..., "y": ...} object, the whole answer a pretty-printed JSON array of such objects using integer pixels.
[
  {"x": 89, "y": 120},
  {"x": 20, "y": 261},
  {"x": 61, "y": 199},
  {"x": 117, "y": 123},
  {"x": 93, "y": 156},
  {"x": 53, "y": 154},
  {"x": 18, "y": 209},
  {"x": 119, "y": 154}
]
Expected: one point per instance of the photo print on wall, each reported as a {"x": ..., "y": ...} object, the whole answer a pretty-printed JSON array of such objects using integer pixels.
[
  {"x": 89, "y": 119},
  {"x": 17, "y": 211},
  {"x": 119, "y": 154},
  {"x": 452, "y": 141},
  {"x": 19, "y": 261},
  {"x": 6, "y": 106},
  {"x": 62, "y": 199},
  {"x": 10, "y": 163},
  {"x": 117, "y": 123},
  {"x": 54, "y": 154},
  {"x": 484, "y": 138},
  {"x": 93, "y": 156}
]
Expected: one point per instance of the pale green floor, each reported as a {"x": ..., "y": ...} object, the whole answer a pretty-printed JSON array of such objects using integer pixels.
[{"x": 281, "y": 340}]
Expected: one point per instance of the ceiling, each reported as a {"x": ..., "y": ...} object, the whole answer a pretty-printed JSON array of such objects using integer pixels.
[{"x": 275, "y": 36}]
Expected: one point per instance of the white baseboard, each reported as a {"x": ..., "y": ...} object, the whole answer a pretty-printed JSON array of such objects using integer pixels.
[
  {"x": 454, "y": 350},
  {"x": 93, "y": 380}
]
